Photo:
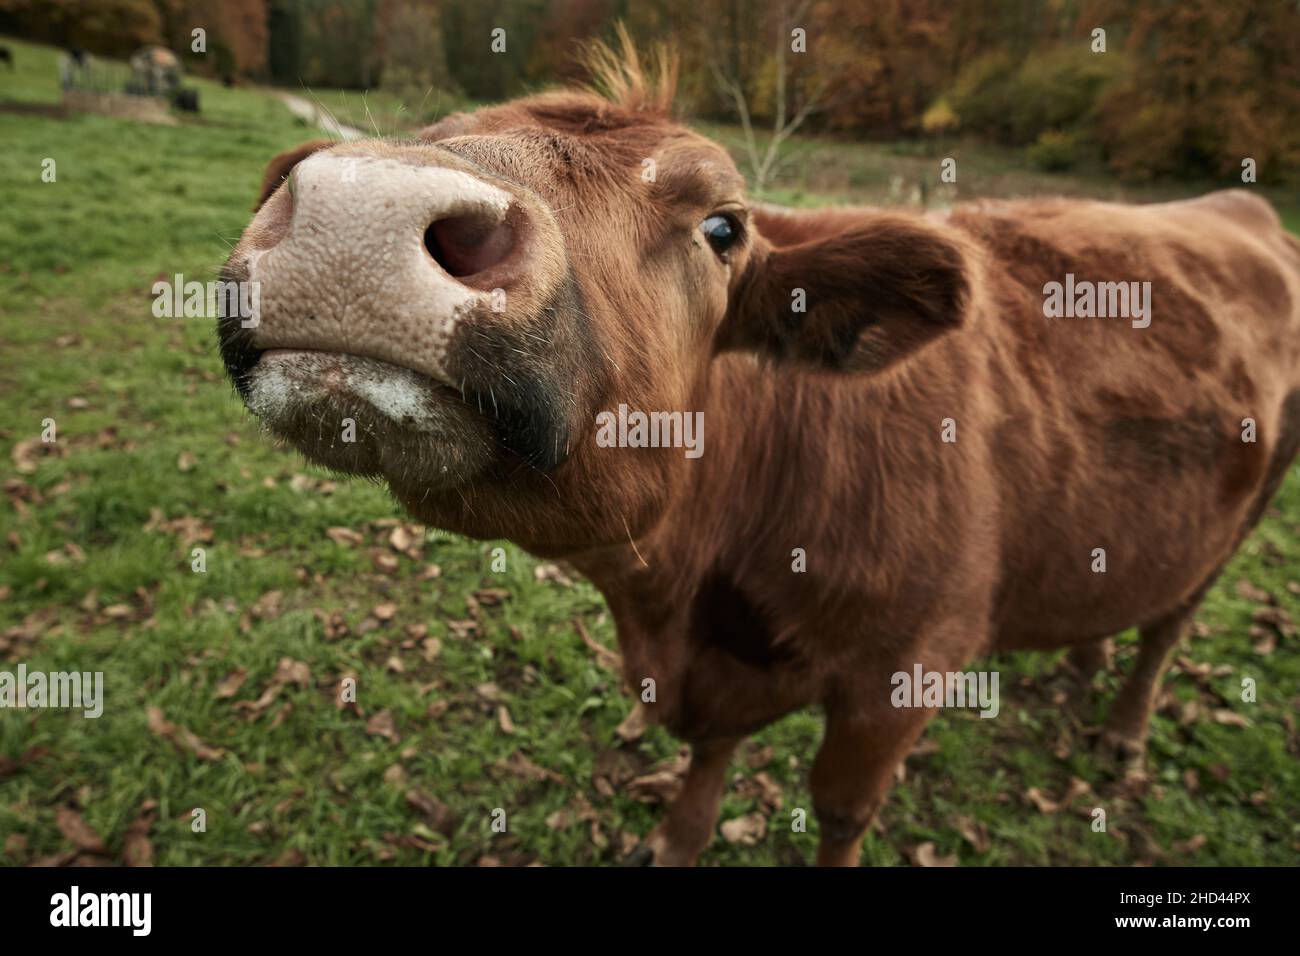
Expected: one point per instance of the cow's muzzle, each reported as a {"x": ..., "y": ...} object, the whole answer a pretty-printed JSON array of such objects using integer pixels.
[{"x": 406, "y": 303}]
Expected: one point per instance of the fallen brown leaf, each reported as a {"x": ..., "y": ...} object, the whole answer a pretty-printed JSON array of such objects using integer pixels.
[
  {"x": 760, "y": 757},
  {"x": 401, "y": 539},
  {"x": 383, "y": 725},
  {"x": 229, "y": 687},
  {"x": 747, "y": 830},
  {"x": 183, "y": 739},
  {"x": 1191, "y": 844},
  {"x": 610, "y": 660},
  {"x": 519, "y": 765},
  {"x": 633, "y": 725},
  {"x": 438, "y": 815},
  {"x": 344, "y": 536},
  {"x": 660, "y": 786},
  {"x": 1247, "y": 589},
  {"x": 1047, "y": 805},
  {"x": 973, "y": 832},
  {"x": 79, "y": 833},
  {"x": 1230, "y": 718},
  {"x": 925, "y": 854},
  {"x": 267, "y": 607},
  {"x": 552, "y": 572},
  {"x": 491, "y": 597},
  {"x": 136, "y": 848}
]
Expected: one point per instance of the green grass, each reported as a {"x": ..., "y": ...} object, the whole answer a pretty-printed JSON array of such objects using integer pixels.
[
  {"x": 136, "y": 398},
  {"x": 383, "y": 112}
]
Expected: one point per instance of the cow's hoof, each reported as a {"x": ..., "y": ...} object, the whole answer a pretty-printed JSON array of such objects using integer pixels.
[
  {"x": 1123, "y": 752},
  {"x": 641, "y": 855}
]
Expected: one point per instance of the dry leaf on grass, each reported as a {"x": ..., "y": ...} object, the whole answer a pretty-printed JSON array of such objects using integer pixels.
[
  {"x": 1230, "y": 718},
  {"x": 25, "y": 454},
  {"x": 183, "y": 739},
  {"x": 78, "y": 832},
  {"x": 925, "y": 854},
  {"x": 503, "y": 720},
  {"x": 973, "y": 832},
  {"x": 383, "y": 725},
  {"x": 520, "y": 766},
  {"x": 229, "y": 687},
  {"x": 610, "y": 660},
  {"x": 436, "y": 813},
  {"x": 136, "y": 848},
  {"x": 1192, "y": 844},
  {"x": 1249, "y": 591},
  {"x": 1045, "y": 804},
  {"x": 1266, "y": 642},
  {"x": 660, "y": 786},
  {"x": 760, "y": 757},
  {"x": 267, "y": 607},
  {"x": 287, "y": 672},
  {"x": 491, "y": 597},
  {"x": 460, "y": 630},
  {"x": 633, "y": 725},
  {"x": 345, "y": 537},
  {"x": 385, "y": 562},
  {"x": 401, "y": 539},
  {"x": 1277, "y": 618},
  {"x": 769, "y": 791},
  {"x": 552, "y": 572},
  {"x": 745, "y": 831}
]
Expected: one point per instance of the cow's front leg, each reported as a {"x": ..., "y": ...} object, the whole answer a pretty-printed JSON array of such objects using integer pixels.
[
  {"x": 853, "y": 770},
  {"x": 685, "y": 831},
  {"x": 867, "y": 736}
]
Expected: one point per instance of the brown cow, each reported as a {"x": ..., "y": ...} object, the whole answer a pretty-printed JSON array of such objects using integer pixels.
[{"x": 913, "y": 456}]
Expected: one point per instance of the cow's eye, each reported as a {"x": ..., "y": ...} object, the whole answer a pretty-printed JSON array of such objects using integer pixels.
[{"x": 722, "y": 231}]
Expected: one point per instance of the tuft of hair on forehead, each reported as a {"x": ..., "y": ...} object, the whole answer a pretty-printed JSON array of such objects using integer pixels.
[{"x": 627, "y": 79}]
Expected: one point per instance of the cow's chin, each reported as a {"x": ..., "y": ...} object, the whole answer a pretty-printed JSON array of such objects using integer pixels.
[{"x": 364, "y": 417}]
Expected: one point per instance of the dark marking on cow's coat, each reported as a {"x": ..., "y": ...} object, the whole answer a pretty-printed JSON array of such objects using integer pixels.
[
  {"x": 722, "y": 616},
  {"x": 1159, "y": 446}
]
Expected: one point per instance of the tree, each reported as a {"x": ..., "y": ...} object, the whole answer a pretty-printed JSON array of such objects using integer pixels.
[{"x": 789, "y": 110}]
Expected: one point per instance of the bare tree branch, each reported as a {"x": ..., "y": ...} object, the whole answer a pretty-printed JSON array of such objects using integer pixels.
[{"x": 765, "y": 162}]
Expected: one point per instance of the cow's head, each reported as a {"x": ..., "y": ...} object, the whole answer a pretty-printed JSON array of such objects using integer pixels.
[{"x": 450, "y": 314}]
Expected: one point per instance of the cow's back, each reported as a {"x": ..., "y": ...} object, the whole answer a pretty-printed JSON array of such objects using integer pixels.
[{"x": 1123, "y": 443}]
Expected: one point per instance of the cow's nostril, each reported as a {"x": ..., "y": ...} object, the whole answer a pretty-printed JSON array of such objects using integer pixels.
[{"x": 466, "y": 245}]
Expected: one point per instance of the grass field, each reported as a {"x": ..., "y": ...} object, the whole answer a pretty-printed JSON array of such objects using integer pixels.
[{"x": 475, "y": 690}]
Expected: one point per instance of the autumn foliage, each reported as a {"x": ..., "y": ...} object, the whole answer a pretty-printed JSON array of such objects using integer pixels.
[{"x": 1165, "y": 89}]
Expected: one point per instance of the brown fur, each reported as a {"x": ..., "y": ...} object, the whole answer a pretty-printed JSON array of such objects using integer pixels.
[{"x": 823, "y": 434}]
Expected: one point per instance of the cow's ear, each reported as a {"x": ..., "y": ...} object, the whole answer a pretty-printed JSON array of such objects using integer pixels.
[
  {"x": 280, "y": 167},
  {"x": 856, "y": 300}
]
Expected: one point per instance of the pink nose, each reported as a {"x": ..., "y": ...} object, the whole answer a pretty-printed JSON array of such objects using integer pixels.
[
  {"x": 380, "y": 257},
  {"x": 387, "y": 251}
]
